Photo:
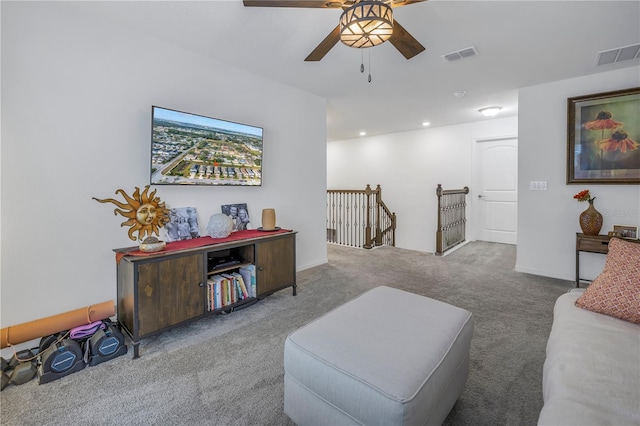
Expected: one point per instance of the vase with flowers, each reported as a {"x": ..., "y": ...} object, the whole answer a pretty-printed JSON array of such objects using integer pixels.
[{"x": 590, "y": 219}]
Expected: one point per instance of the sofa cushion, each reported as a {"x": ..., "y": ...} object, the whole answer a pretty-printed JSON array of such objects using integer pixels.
[{"x": 616, "y": 291}]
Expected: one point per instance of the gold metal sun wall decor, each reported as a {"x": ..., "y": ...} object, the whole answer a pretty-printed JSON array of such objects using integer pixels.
[{"x": 145, "y": 213}]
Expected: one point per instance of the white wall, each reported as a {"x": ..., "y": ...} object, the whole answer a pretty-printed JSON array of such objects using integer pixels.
[
  {"x": 548, "y": 220},
  {"x": 409, "y": 166},
  {"x": 76, "y": 106}
]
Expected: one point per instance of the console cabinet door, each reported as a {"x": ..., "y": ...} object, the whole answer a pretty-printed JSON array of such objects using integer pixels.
[
  {"x": 275, "y": 264},
  {"x": 170, "y": 291}
]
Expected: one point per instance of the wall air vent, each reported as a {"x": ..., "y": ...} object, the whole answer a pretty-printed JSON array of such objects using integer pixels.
[
  {"x": 463, "y": 53},
  {"x": 619, "y": 54}
]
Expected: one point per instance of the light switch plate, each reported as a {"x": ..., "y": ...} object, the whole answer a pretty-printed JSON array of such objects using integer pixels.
[{"x": 537, "y": 185}]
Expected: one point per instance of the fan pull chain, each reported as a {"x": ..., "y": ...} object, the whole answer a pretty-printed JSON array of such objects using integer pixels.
[{"x": 362, "y": 63}]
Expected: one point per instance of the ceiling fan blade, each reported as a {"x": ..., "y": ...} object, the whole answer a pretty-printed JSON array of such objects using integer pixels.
[
  {"x": 294, "y": 3},
  {"x": 398, "y": 3},
  {"x": 404, "y": 42},
  {"x": 325, "y": 45},
  {"x": 317, "y": 4}
]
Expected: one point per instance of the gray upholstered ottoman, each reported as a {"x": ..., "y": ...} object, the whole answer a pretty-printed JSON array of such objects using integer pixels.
[{"x": 387, "y": 357}]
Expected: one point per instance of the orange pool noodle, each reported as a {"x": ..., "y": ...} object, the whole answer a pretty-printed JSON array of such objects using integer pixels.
[{"x": 24, "y": 332}]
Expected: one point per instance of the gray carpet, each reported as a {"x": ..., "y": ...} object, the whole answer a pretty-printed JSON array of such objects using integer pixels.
[{"x": 227, "y": 369}]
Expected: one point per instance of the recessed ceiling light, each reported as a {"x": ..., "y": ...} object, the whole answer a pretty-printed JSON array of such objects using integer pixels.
[
  {"x": 459, "y": 94},
  {"x": 363, "y": 133},
  {"x": 490, "y": 111},
  {"x": 426, "y": 123}
]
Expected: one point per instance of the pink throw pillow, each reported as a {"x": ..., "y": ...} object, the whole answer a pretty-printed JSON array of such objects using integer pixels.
[{"x": 616, "y": 291}]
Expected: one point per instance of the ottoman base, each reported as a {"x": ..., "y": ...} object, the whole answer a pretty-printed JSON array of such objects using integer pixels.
[
  {"x": 387, "y": 357},
  {"x": 308, "y": 408}
]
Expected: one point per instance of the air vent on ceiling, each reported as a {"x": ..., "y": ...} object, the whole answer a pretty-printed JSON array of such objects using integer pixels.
[
  {"x": 463, "y": 53},
  {"x": 618, "y": 55}
]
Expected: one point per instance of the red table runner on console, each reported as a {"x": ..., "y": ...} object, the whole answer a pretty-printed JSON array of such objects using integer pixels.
[{"x": 201, "y": 242}]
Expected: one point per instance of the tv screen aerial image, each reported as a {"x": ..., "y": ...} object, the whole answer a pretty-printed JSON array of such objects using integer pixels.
[{"x": 189, "y": 149}]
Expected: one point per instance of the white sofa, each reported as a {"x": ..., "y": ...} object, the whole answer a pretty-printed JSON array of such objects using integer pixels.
[{"x": 592, "y": 370}]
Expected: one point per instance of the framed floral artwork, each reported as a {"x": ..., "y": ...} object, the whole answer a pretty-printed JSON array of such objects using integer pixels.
[{"x": 603, "y": 138}]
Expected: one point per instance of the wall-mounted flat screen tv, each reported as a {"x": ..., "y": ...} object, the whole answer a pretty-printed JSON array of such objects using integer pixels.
[{"x": 190, "y": 149}]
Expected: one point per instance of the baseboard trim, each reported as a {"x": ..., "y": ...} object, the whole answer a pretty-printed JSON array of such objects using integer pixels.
[
  {"x": 545, "y": 274},
  {"x": 312, "y": 265}
]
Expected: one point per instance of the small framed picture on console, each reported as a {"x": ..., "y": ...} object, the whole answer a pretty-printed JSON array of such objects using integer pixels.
[{"x": 625, "y": 231}]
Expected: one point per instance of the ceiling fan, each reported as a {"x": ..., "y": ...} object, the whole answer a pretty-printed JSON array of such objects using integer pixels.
[{"x": 400, "y": 38}]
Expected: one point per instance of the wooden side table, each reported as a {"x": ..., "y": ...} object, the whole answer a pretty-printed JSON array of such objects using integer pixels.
[{"x": 591, "y": 244}]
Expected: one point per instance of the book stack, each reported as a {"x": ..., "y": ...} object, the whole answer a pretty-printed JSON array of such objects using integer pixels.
[{"x": 229, "y": 288}]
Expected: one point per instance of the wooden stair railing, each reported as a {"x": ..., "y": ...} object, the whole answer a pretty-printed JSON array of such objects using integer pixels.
[
  {"x": 451, "y": 218},
  {"x": 359, "y": 218}
]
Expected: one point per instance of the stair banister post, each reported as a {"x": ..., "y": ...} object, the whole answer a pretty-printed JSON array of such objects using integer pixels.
[
  {"x": 378, "y": 238},
  {"x": 368, "y": 243},
  {"x": 393, "y": 228},
  {"x": 439, "y": 230}
]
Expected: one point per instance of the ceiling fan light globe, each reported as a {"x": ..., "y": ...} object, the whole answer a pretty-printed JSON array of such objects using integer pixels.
[{"x": 366, "y": 24}]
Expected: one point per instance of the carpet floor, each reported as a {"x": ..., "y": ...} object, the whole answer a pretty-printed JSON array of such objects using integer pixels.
[{"x": 228, "y": 369}]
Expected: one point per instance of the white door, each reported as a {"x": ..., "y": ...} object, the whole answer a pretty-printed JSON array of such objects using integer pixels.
[{"x": 497, "y": 189}]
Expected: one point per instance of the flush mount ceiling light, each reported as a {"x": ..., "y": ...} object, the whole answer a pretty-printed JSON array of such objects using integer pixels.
[
  {"x": 491, "y": 111},
  {"x": 367, "y": 23}
]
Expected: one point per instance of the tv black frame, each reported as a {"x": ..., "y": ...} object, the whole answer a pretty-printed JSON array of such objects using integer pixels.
[{"x": 243, "y": 175}]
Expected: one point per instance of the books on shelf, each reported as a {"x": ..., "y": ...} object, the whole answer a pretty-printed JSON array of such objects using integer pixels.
[
  {"x": 229, "y": 288},
  {"x": 242, "y": 288},
  {"x": 249, "y": 276}
]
